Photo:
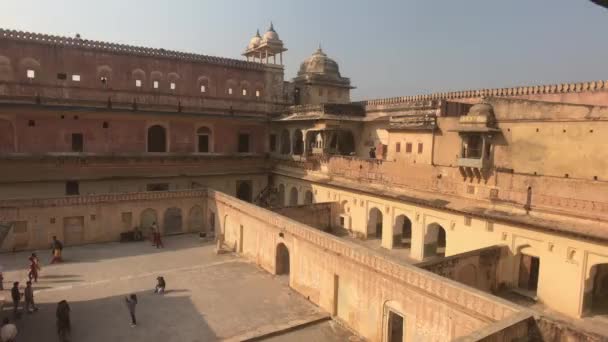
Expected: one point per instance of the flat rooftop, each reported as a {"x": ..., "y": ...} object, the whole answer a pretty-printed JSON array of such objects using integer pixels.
[{"x": 209, "y": 297}]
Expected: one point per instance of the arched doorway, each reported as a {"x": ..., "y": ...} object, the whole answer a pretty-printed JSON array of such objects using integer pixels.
[
  {"x": 243, "y": 190},
  {"x": 374, "y": 224},
  {"x": 157, "y": 139},
  {"x": 147, "y": 218},
  {"x": 402, "y": 232},
  {"x": 298, "y": 142},
  {"x": 172, "y": 222},
  {"x": 293, "y": 196},
  {"x": 434, "y": 240},
  {"x": 282, "y": 265},
  {"x": 196, "y": 221},
  {"x": 281, "y": 195},
  {"x": 308, "y": 199},
  {"x": 596, "y": 292},
  {"x": 285, "y": 142}
]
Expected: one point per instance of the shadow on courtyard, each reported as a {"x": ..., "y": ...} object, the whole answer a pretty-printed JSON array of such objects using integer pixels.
[
  {"x": 169, "y": 317},
  {"x": 102, "y": 251}
]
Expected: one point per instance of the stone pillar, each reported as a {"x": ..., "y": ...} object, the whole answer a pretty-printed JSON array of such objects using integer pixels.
[
  {"x": 281, "y": 57},
  {"x": 418, "y": 232},
  {"x": 387, "y": 229}
]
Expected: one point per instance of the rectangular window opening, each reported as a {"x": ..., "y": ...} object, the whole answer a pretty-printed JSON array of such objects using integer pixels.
[
  {"x": 76, "y": 78},
  {"x": 229, "y": 91},
  {"x": 244, "y": 92},
  {"x": 243, "y": 143},
  {"x": 77, "y": 142},
  {"x": 529, "y": 268},
  {"x": 203, "y": 89},
  {"x": 31, "y": 74},
  {"x": 172, "y": 86},
  {"x": 203, "y": 143},
  {"x": 72, "y": 188},
  {"x": 420, "y": 148},
  {"x": 62, "y": 76},
  {"x": 155, "y": 84},
  {"x": 138, "y": 83},
  {"x": 398, "y": 147},
  {"x": 408, "y": 148},
  {"x": 257, "y": 93}
]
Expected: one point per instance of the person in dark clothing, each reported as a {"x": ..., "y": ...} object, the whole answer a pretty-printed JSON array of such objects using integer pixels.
[
  {"x": 160, "y": 285},
  {"x": 63, "y": 320},
  {"x": 28, "y": 295},
  {"x": 131, "y": 303},
  {"x": 57, "y": 248},
  {"x": 372, "y": 153},
  {"x": 16, "y": 295},
  {"x": 157, "y": 240}
]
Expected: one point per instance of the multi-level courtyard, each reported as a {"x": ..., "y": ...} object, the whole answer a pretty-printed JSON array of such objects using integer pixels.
[{"x": 209, "y": 297}]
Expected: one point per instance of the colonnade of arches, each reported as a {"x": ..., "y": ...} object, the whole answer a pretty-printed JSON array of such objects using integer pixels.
[
  {"x": 299, "y": 142},
  {"x": 294, "y": 196},
  {"x": 172, "y": 220},
  {"x": 434, "y": 237}
]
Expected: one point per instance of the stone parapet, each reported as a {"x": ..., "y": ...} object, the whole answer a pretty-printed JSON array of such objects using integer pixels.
[
  {"x": 127, "y": 49},
  {"x": 480, "y": 304},
  {"x": 509, "y": 91}
]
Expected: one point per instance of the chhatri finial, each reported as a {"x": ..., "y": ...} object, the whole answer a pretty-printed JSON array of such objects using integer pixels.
[
  {"x": 271, "y": 27},
  {"x": 257, "y": 33}
]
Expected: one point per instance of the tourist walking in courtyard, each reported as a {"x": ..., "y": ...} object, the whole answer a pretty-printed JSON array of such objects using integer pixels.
[
  {"x": 63, "y": 320},
  {"x": 28, "y": 296},
  {"x": 8, "y": 332},
  {"x": 160, "y": 285},
  {"x": 131, "y": 303},
  {"x": 157, "y": 240},
  {"x": 34, "y": 267},
  {"x": 57, "y": 248},
  {"x": 372, "y": 153},
  {"x": 16, "y": 296}
]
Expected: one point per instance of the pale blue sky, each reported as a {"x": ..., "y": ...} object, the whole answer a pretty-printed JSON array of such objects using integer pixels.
[{"x": 387, "y": 48}]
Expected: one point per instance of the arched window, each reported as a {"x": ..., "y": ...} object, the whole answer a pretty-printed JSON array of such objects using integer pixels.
[
  {"x": 402, "y": 232},
  {"x": 203, "y": 135},
  {"x": 157, "y": 139},
  {"x": 243, "y": 190}
]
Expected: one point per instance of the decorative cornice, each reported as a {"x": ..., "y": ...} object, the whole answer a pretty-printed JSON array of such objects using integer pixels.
[
  {"x": 69, "y": 42},
  {"x": 511, "y": 91}
]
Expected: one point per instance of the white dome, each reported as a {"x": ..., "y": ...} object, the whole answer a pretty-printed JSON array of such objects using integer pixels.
[
  {"x": 255, "y": 41},
  {"x": 271, "y": 34}
]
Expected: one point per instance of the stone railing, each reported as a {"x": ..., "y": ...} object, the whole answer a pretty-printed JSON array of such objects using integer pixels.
[
  {"x": 510, "y": 91},
  {"x": 447, "y": 291},
  {"x": 124, "y": 49},
  {"x": 102, "y": 198}
]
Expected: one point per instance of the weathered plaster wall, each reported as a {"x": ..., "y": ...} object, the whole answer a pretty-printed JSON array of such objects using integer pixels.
[
  {"x": 102, "y": 217},
  {"x": 354, "y": 283},
  {"x": 318, "y": 215}
]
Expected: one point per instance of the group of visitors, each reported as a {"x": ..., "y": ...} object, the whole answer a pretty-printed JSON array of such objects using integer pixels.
[{"x": 8, "y": 331}]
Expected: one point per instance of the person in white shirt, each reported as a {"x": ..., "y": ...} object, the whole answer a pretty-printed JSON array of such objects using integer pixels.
[{"x": 8, "y": 332}]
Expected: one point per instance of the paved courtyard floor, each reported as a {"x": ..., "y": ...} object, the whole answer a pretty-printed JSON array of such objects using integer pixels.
[{"x": 209, "y": 297}]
